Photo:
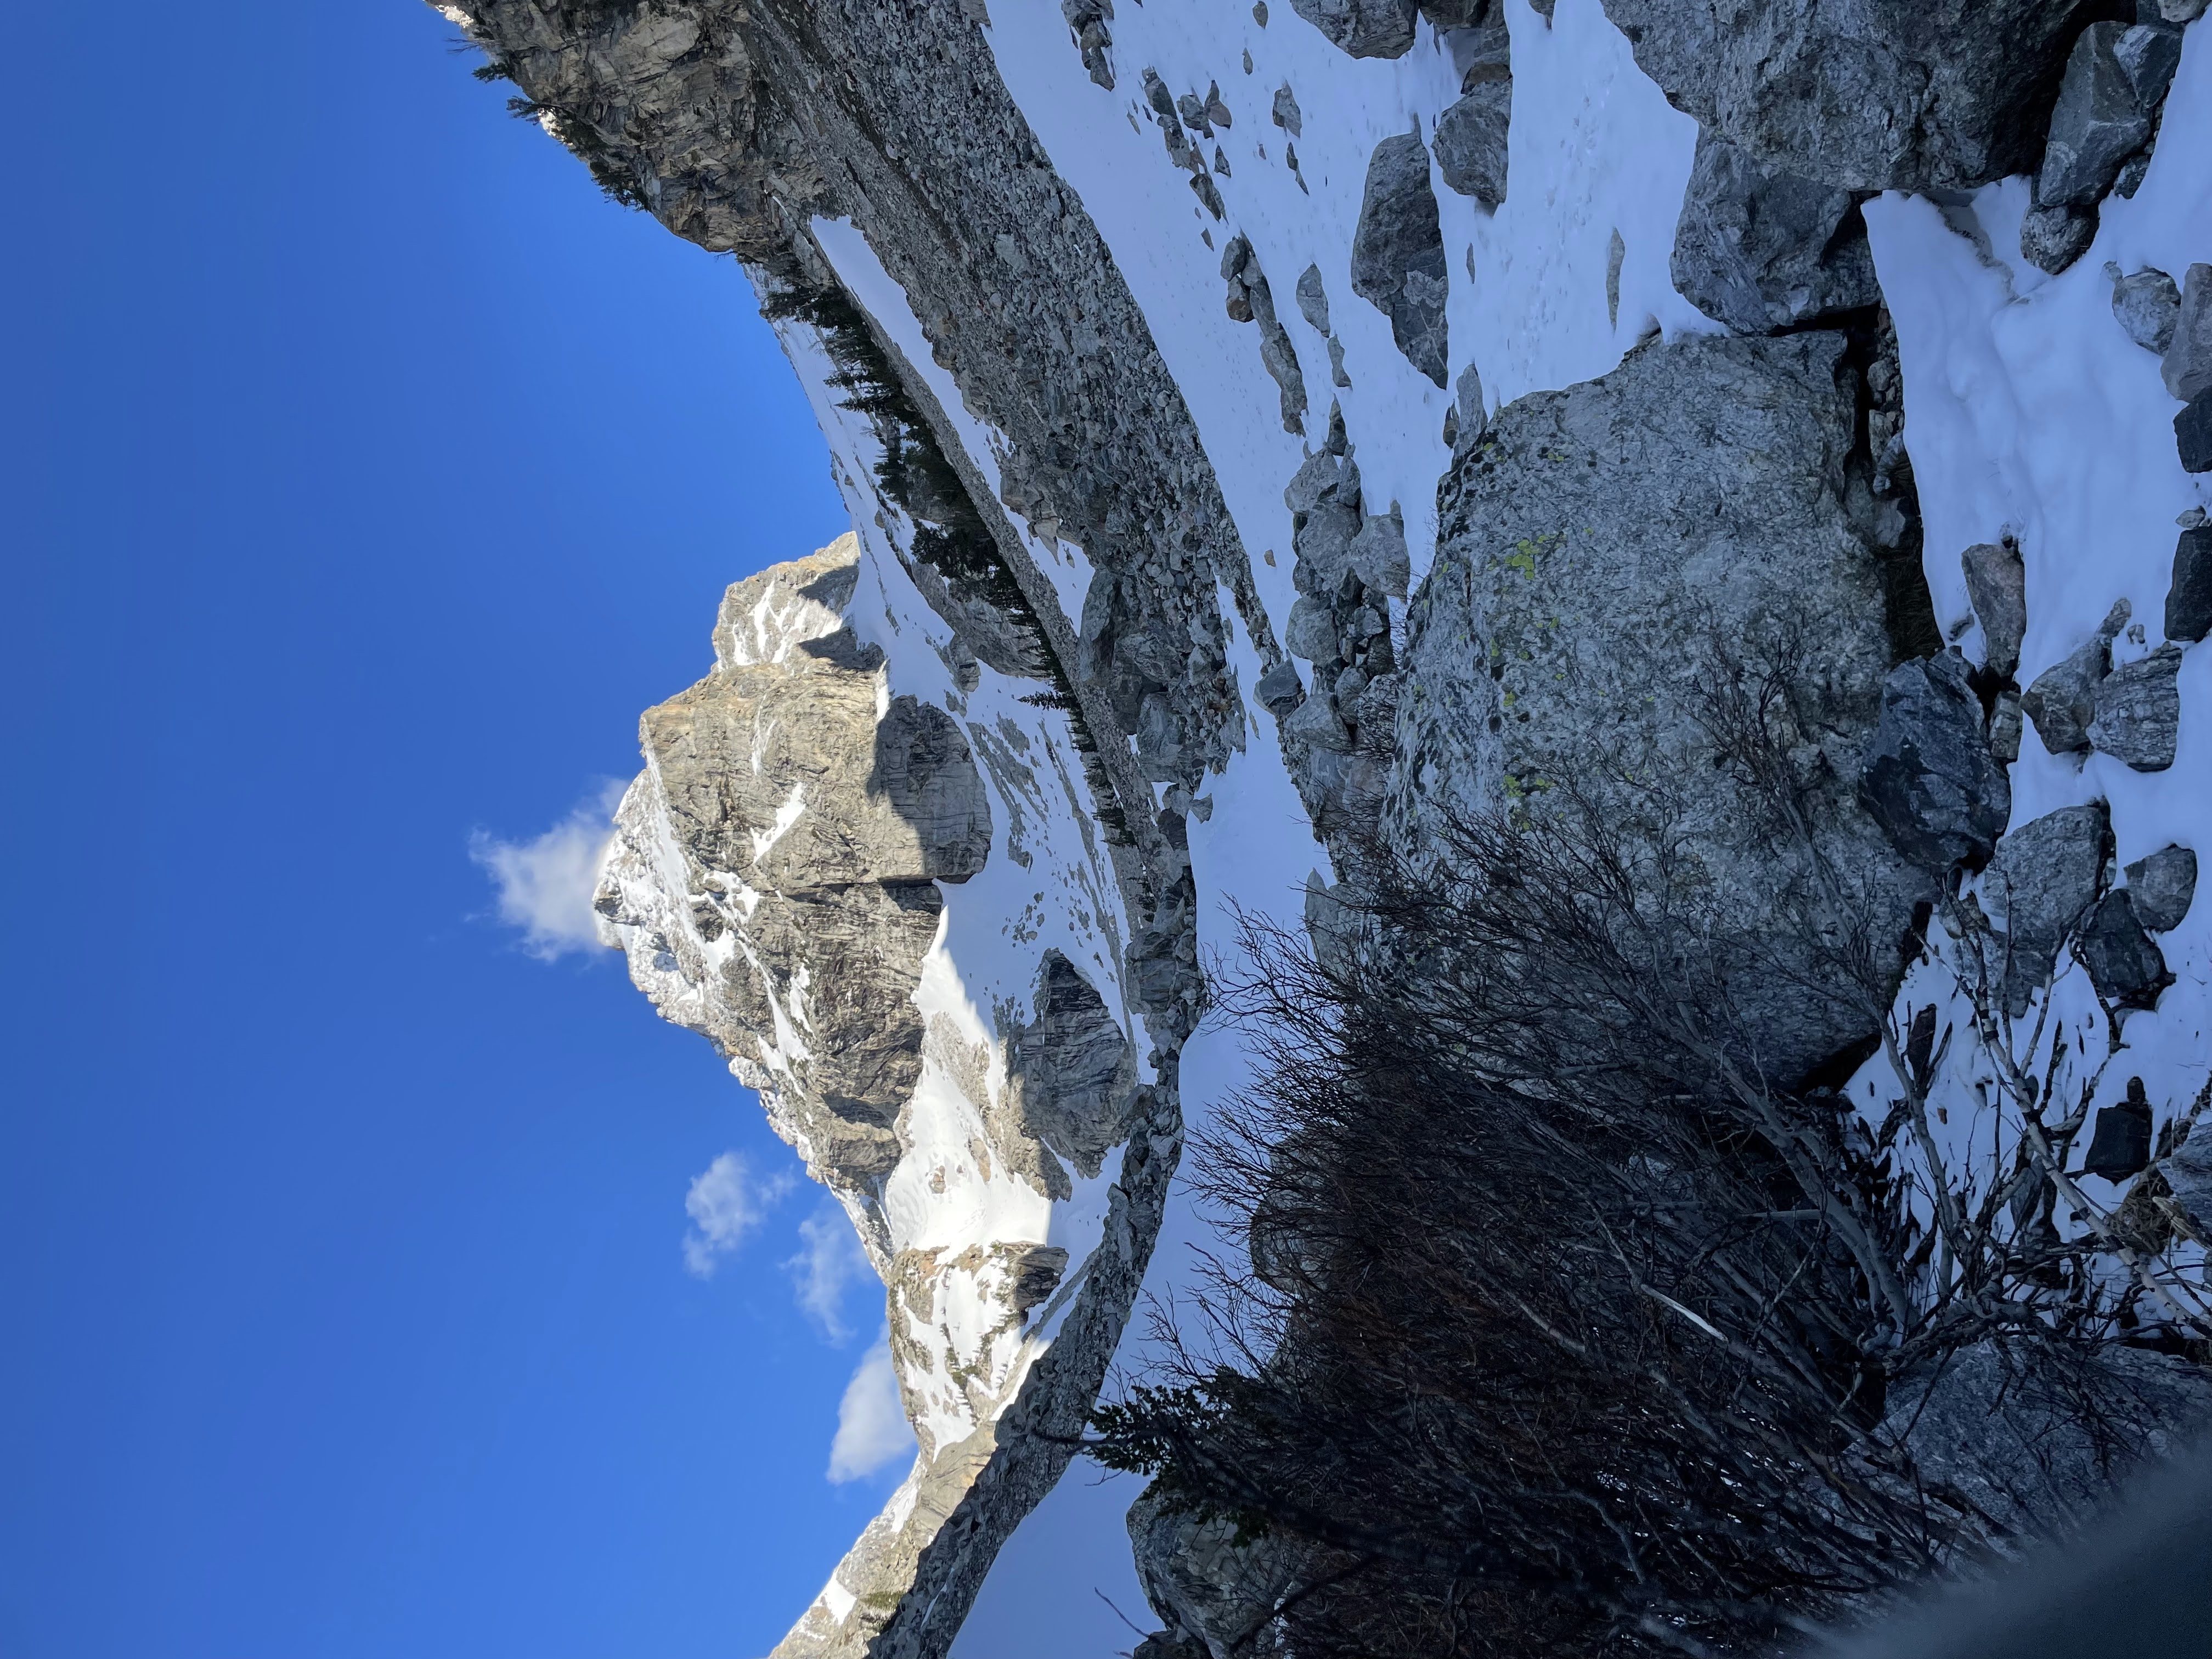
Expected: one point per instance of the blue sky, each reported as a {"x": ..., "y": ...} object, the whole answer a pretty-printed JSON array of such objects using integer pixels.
[{"x": 366, "y": 473}]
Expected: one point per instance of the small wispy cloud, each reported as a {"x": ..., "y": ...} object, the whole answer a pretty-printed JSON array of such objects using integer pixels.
[
  {"x": 545, "y": 885},
  {"x": 831, "y": 1262},
  {"x": 725, "y": 1203},
  {"x": 872, "y": 1427}
]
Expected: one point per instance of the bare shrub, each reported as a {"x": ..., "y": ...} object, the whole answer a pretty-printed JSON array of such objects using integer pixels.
[{"x": 1569, "y": 1330}]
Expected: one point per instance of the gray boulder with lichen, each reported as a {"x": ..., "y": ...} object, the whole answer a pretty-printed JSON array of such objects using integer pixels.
[{"x": 1612, "y": 559}]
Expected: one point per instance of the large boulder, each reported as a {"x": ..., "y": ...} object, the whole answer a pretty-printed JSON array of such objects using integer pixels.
[
  {"x": 1759, "y": 249},
  {"x": 2148, "y": 305},
  {"x": 2163, "y": 887},
  {"x": 2186, "y": 360},
  {"x": 2002, "y": 1426},
  {"x": 1610, "y": 558},
  {"x": 1471, "y": 141},
  {"x": 2096, "y": 125},
  {"x": 1214, "y": 1585},
  {"x": 2189, "y": 600},
  {"x": 2138, "y": 711},
  {"x": 2039, "y": 887},
  {"x": 1929, "y": 779},
  {"x": 1362, "y": 28},
  {"x": 2063, "y": 699},
  {"x": 1397, "y": 252},
  {"x": 1866, "y": 94}
]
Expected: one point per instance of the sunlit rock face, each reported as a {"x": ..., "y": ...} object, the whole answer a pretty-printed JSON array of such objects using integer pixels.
[{"x": 780, "y": 880}]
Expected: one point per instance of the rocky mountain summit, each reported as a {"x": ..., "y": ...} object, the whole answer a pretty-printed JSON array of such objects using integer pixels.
[{"x": 1287, "y": 446}]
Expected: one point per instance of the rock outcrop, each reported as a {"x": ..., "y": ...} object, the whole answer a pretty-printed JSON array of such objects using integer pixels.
[
  {"x": 1612, "y": 559},
  {"x": 775, "y": 875}
]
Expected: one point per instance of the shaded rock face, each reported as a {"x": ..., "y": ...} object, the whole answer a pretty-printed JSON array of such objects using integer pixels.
[
  {"x": 1363, "y": 29},
  {"x": 1397, "y": 252},
  {"x": 802, "y": 837},
  {"x": 1610, "y": 553},
  {"x": 1865, "y": 94},
  {"x": 1759, "y": 249},
  {"x": 1929, "y": 779},
  {"x": 2192, "y": 434},
  {"x": 2039, "y": 887},
  {"x": 1072, "y": 1074},
  {"x": 2096, "y": 125},
  {"x": 2189, "y": 600},
  {"x": 2100, "y": 132},
  {"x": 2128, "y": 969},
  {"x": 2163, "y": 887},
  {"x": 1997, "y": 586},
  {"x": 1218, "y": 1593}
]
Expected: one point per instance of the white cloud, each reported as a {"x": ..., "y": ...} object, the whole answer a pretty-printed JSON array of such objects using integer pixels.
[
  {"x": 725, "y": 1204},
  {"x": 545, "y": 885},
  {"x": 831, "y": 1261},
  {"x": 871, "y": 1426}
]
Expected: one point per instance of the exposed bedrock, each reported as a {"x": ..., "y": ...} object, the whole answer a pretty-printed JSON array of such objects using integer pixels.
[
  {"x": 1611, "y": 555},
  {"x": 1863, "y": 95}
]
